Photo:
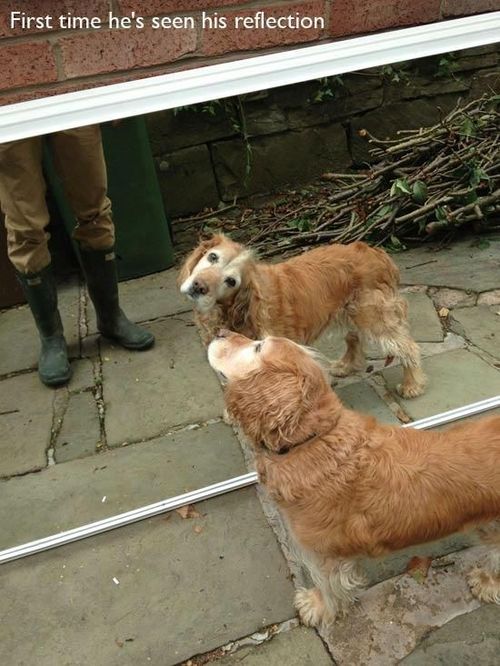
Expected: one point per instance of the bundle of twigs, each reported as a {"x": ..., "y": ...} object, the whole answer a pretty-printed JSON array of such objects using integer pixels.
[{"x": 425, "y": 181}]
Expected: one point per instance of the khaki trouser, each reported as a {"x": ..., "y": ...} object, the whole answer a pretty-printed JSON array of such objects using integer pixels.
[{"x": 79, "y": 161}]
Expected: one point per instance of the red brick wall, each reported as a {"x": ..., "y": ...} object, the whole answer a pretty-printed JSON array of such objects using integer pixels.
[{"x": 48, "y": 60}]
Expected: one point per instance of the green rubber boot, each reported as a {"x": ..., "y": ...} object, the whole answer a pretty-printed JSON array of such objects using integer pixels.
[
  {"x": 40, "y": 291},
  {"x": 99, "y": 267}
]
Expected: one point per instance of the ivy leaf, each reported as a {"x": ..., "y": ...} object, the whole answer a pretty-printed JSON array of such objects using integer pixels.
[
  {"x": 400, "y": 186},
  {"x": 470, "y": 197},
  {"x": 441, "y": 214},
  {"x": 300, "y": 223},
  {"x": 477, "y": 176},
  {"x": 378, "y": 214},
  {"x": 468, "y": 128},
  {"x": 419, "y": 192}
]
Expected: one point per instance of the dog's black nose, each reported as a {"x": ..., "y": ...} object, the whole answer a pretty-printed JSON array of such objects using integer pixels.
[
  {"x": 222, "y": 333},
  {"x": 198, "y": 288}
]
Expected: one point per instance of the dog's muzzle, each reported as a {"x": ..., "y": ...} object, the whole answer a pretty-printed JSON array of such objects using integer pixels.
[
  {"x": 198, "y": 288},
  {"x": 222, "y": 333}
]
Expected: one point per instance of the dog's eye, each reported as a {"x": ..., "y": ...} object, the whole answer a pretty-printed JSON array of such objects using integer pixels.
[
  {"x": 258, "y": 347},
  {"x": 231, "y": 282},
  {"x": 213, "y": 258}
]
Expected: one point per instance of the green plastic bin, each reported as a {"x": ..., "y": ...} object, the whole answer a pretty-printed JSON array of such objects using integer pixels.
[{"x": 143, "y": 239}]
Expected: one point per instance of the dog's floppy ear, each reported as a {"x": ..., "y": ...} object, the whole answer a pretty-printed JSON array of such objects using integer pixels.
[
  {"x": 281, "y": 407},
  {"x": 194, "y": 257},
  {"x": 245, "y": 312}
]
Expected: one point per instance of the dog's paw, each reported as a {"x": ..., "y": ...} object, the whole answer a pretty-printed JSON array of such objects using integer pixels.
[
  {"x": 484, "y": 585},
  {"x": 311, "y": 607},
  {"x": 226, "y": 417},
  {"x": 410, "y": 390}
]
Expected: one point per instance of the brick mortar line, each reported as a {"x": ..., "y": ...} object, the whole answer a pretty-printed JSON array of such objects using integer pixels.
[
  {"x": 98, "y": 393},
  {"x": 265, "y": 635},
  {"x": 174, "y": 429},
  {"x": 60, "y": 403},
  {"x": 89, "y": 334},
  {"x": 17, "y": 373},
  {"x": 83, "y": 327},
  {"x": 5, "y": 478},
  {"x": 136, "y": 73},
  {"x": 60, "y": 33},
  {"x": 481, "y": 353}
]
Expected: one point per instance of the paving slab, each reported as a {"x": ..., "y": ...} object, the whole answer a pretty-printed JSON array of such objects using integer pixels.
[
  {"x": 424, "y": 321},
  {"x": 473, "y": 638},
  {"x": 147, "y": 298},
  {"x": 480, "y": 325},
  {"x": 148, "y": 393},
  {"x": 455, "y": 379},
  {"x": 363, "y": 398},
  {"x": 155, "y": 592},
  {"x": 453, "y": 298},
  {"x": 25, "y": 424},
  {"x": 71, "y": 494},
  {"x": 489, "y": 298},
  {"x": 299, "y": 647},
  {"x": 461, "y": 266},
  {"x": 19, "y": 336},
  {"x": 83, "y": 375},
  {"x": 80, "y": 432},
  {"x": 393, "y": 616}
]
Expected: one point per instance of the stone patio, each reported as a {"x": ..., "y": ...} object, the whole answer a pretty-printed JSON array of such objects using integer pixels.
[{"x": 214, "y": 585}]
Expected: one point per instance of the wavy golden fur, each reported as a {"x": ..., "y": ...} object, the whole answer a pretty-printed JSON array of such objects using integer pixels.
[
  {"x": 349, "y": 486},
  {"x": 354, "y": 286}
]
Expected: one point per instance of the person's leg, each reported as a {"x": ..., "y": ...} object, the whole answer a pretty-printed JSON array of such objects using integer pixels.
[
  {"x": 79, "y": 160},
  {"x": 22, "y": 198}
]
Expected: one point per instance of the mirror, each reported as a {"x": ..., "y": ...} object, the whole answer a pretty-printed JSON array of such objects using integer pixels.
[
  {"x": 282, "y": 170},
  {"x": 404, "y": 157}
]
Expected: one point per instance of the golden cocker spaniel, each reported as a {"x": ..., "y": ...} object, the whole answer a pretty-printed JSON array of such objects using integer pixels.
[
  {"x": 347, "y": 485},
  {"x": 353, "y": 286}
]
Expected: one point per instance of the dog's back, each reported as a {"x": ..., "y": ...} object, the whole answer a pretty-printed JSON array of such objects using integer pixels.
[
  {"x": 306, "y": 293},
  {"x": 423, "y": 485}
]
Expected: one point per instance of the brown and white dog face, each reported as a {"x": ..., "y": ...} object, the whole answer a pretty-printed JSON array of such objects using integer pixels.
[
  {"x": 213, "y": 272},
  {"x": 234, "y": 356},
  {"x": 274, "y": 387}
]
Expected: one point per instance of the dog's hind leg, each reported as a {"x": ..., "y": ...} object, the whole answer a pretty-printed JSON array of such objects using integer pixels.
[
  {"x": 353, "y": 359},
  {"x": 402, "y": 345},
  {"x": 382, "y": 317},
  {"x": 392, "y": 332},
  {"x": 484, "y": 581},
  {"x": 336, "y": 583}
]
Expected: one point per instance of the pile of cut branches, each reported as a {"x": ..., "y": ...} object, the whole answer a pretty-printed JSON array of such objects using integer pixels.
[{"x": 426, "y": 181}]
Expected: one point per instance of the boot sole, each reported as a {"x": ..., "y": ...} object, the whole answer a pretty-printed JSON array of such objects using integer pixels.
[
  {"x": 142, "y": 347},
  {"x": 56, "y": 381}
]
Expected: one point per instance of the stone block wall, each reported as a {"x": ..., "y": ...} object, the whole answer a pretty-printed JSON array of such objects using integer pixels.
[
  {"x": 44, "y": 59},
  {"x": 259, "y": 143}
]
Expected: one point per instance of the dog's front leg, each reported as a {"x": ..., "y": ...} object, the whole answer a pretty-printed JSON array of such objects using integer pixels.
[
  {"x": 484, "y": 581},
  {"x": 353, "y": 360},
  {"x": 336, "y": 583}
]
